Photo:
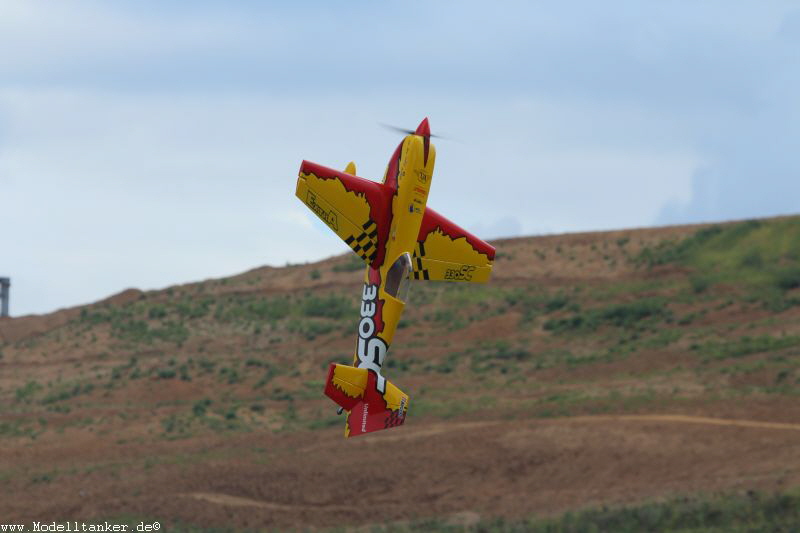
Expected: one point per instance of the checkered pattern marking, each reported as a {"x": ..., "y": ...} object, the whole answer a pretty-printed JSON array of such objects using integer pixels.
[
  {"x": 419, "y": 271},
  {"x": 365, "y": 244},
  {"x": 394, "y": 419}
]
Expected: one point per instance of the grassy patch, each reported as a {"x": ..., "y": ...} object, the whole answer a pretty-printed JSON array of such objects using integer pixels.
[
  {"x": 326, "y": 422},
  {"x": 445, "y": 408},
  {"x": 28, "y": 391},
  {"x": 331, "y": 306},
  {"x": 624, "y": 315},
  {"x": 142, "y": 331},
  {"x": 498, "y": 355},
  {"x": 253, "y": 309},
  {"x": 721, "y": 513},
  {"x": 65, "y": 391},
  {"x": 17, "y": 428},
  {"x": 716, "y": 350},
  {"x": 751, "y": 252},
  {"x": 310, "y": 329}
]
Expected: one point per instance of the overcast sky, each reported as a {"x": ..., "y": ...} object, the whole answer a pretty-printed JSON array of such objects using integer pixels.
[{"x": 144, "y": 144}]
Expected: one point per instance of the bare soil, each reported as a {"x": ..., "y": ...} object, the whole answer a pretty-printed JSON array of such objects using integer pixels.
[{"x": 217, "y": 418}]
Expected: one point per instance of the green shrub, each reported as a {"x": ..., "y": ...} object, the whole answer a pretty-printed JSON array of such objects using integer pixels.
[
  {"x": 26, "y": 392},
  {"x": 624, "y": 315},
  {"x": 206, "y": 365},
  {"x": 699, "y": 283},
  {"x": 94, "y": 316},
  {"x": 752, "y": 259},
  {"x": 16, "y": 428},
  {"x": 175, "y": 424},
  {"x": 787, "y": 278},
  {"x": 254, "y": 309},
  {"x": 499, "y": 355},
  {"x": 555, "y": 303},
  {"x": 190, "y": 309},
  {"x": 744, "y": 346},
  {"x": 281, "y": 395},
  {"x": 231, "y": 375},
  {"x": 157, "y": 311},
  {"x": 67, "y": 391},
  {"x": 331, "y": 306},
  {"x": 672, "y": 251},
  {"x": 621, "y": 315},
  {"x": 310, "y": 329},
  {"x": 140, "y": 331},
  {"x": 269, "y": 373},
  {"x": 199, "y": 408}
]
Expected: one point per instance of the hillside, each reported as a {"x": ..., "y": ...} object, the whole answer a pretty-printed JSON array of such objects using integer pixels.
[{"x": 612, "y": 368}]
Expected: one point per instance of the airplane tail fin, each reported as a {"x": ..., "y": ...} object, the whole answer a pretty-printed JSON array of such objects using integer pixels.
[{"x": 355, "y": 390}]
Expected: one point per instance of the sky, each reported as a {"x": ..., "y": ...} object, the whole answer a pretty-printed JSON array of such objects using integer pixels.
[{"x": 144, "y": 144}]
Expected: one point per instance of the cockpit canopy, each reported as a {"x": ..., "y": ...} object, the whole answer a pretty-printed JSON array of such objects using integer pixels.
[{"x": 399, "y": 278}]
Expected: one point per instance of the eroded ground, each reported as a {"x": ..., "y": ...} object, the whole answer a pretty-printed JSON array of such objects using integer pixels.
[{"x": 605, "y": 368}]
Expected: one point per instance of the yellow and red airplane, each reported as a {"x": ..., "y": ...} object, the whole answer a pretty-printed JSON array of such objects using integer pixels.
[{"x": 399, "y": 238}]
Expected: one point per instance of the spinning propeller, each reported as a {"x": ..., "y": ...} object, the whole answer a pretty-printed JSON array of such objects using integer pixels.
[
  {"x": 423, "y": 129},
  {"x": 405, "y": 131}
]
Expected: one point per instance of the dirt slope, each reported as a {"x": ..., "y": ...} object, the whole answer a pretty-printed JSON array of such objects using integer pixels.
[{"x": 599, "y": 368}]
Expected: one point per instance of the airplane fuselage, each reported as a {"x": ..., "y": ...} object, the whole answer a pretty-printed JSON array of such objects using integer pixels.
[{"x": 408, "y": 174}]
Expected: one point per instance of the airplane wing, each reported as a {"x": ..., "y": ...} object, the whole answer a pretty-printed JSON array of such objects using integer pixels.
[
  {"x": 354, "y": 208},
  {"x": 446, "y": 252}
]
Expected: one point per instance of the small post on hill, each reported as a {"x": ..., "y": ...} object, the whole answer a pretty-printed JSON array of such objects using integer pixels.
[{"x": 5, "y": 285}]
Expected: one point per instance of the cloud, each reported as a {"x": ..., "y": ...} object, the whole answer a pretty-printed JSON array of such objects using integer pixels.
[
  {"x": 752, "y": 163},
  {"x": 149, "y": 144}
]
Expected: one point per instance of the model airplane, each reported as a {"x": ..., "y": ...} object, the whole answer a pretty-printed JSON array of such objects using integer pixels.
[{"x": 399, "y": 238}]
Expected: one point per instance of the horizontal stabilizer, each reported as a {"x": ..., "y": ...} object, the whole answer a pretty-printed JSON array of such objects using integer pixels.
[
  {"x": 366, "y": 419},
  {"x": 354, "y": 389},
  {"x": 345, "y": 385}
]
